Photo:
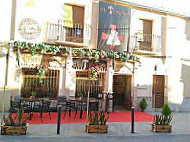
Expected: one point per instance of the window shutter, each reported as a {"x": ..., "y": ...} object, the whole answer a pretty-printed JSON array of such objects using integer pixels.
[{"x": 68, "y": 16}]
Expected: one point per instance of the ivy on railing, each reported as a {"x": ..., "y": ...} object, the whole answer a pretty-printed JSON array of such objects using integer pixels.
[
  {"x": 96, "y": 53},
  {"x": 40, "y": 47}
]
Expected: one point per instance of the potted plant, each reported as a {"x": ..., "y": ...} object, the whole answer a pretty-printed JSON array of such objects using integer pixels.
[
  {"x": 33, "y": 94},
  {"x": 143, "y": 104},
  {"x": 161, "y": 123},
  {"x": 97, "y": 123},
  {"x": 14, "y": 125},
  {"x": 41, "y": 73}
]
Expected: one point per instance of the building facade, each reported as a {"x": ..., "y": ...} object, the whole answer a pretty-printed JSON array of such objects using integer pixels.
[{"x": 154, "y": 46}]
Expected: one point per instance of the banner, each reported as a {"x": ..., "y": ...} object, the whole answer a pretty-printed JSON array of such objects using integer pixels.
[{"x": 114, "y": 27}]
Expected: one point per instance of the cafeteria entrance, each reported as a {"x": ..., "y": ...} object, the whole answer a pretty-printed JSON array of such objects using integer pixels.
[{"x": 122, "y": 90}]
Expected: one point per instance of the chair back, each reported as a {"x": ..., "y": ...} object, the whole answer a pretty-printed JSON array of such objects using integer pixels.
[
  {"x": 14, "y": 106},
  {"x": 61, "y": 100},
  {"x": 93, "y": 106},
  {"x": 46, "y": 104}
]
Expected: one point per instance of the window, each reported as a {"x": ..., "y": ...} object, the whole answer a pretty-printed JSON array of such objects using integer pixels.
[
  {"x": 45, "y": 87},
  {"x": 145, "y": 35}
]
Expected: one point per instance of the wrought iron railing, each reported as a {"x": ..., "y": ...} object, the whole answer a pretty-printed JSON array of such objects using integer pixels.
[
  {"x": 67, "y": 31},
  {"x": 145, "y": 42}
]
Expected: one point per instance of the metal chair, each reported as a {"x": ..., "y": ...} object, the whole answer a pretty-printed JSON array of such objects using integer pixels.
[
  {"x": 45, "y": 107},
  {"x": 14, "y": 106},
  {"x": 110, "y": 102},
  {"x": 93, "y": 106},
  {"x": 61, "y": 101},
  {"x": 71, "y": 106}
]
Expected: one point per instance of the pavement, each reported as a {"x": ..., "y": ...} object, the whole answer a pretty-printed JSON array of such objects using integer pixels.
[{"x": 116, "y": 132}]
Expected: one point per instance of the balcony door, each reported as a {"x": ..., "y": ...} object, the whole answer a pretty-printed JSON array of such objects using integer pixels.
[
  {"x": 145, "y": 35},
  {"x": 74, "y": 23}
]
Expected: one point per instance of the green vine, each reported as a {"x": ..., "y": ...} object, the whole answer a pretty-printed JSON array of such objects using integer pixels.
[
  {"x": 93, "y": 73},
  {"x": 41, "y": 73},
  {"x": 96, "y": 53},
  {"x": 39, "y": 48}
]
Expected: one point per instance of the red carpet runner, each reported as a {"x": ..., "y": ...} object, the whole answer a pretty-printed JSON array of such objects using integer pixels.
[{"x": 120, "y": 116}]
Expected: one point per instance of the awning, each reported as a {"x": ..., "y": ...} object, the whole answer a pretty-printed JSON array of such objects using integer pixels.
[
  {"x": 50, "y": 61},
  {"x": 123, "y": 68}
]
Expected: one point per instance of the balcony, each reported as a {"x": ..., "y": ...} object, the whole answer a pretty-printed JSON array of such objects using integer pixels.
[
  {"x": 141, "y": 43},
  {"x": 68, "y": 34}
]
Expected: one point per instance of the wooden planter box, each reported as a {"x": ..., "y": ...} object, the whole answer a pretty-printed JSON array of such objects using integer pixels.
[
  {"x": 96, "y": 128},
  {"x": 11, "y": 130},
  {"x": 161, "y": 128}
]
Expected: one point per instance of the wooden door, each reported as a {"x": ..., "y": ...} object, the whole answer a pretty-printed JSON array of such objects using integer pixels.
[
  {"x": 158, "y": 91},
  {"x": 127, "y": 96},
  {"x": 119, "y": 89}
]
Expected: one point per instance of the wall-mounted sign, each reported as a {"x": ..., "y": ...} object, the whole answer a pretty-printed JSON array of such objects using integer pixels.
[
  {"x": 29, "y": 29},
  {"x": 113, "y": 28}
]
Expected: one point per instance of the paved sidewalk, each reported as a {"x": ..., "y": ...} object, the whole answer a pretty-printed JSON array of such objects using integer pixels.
[{"x": 180, "y": 123}]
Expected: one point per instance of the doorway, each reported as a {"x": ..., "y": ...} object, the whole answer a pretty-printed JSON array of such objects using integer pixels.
[
  {"x": 122, "y": 90},
  {"x": 158, "y": 91},
  {"x": 74, "y": 22}
]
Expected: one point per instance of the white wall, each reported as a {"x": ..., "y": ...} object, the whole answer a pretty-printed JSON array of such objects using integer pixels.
[
  {"x": 136, "y": 23},
  {"x": 178, "y": 47}
]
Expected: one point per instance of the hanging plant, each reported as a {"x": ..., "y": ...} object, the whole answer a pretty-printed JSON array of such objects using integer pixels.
[
  {"x": 110, "y": 55},
  {"x": 89, "y": 54},
  {"x": 82, "y": 53},
  {"x": 134, "y": 58},
  {"x": 93, "y": 73},
  {"x": 38, "y": 48},
  {"x": 42, "y": 49},
  {"x": 123, "y": 57},
  {"x": 116, "y": 55},
  {"x": 96, "y": 57},
  {"x": 103, "y": 54},
  {"x": 41, "y": 73}
]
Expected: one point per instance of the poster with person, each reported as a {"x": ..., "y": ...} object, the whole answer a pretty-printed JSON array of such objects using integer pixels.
[{"x": 113, "y": 27}]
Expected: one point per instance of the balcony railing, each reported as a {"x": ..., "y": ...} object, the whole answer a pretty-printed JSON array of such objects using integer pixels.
[
  {"x": 145, "y": 42},
  {"x": 66, "y": 31}
]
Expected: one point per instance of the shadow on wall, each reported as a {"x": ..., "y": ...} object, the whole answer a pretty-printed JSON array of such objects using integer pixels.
[
  {"x": 184, "y": 106},
  {"x": 5, "y": 97},
  {"x": 187, "y": 29},
  {"x": 185, "y": 78}
]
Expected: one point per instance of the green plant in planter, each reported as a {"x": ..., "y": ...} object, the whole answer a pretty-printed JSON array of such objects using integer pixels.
[
  {"x": 17, "y": 120},
  {"x": 98, "y": 118},
  {"x": 93, "y": 119},
  {"x": 162, "y": 119},
  {"x": 166, "y": 111},
  {"x": 143, "y": 104},
  {"x": 80, "y": 94},
  {"x": 165, "y": 118},
  {"x": 103, "y": 118},
  {"x": 33, "y": 93}
]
